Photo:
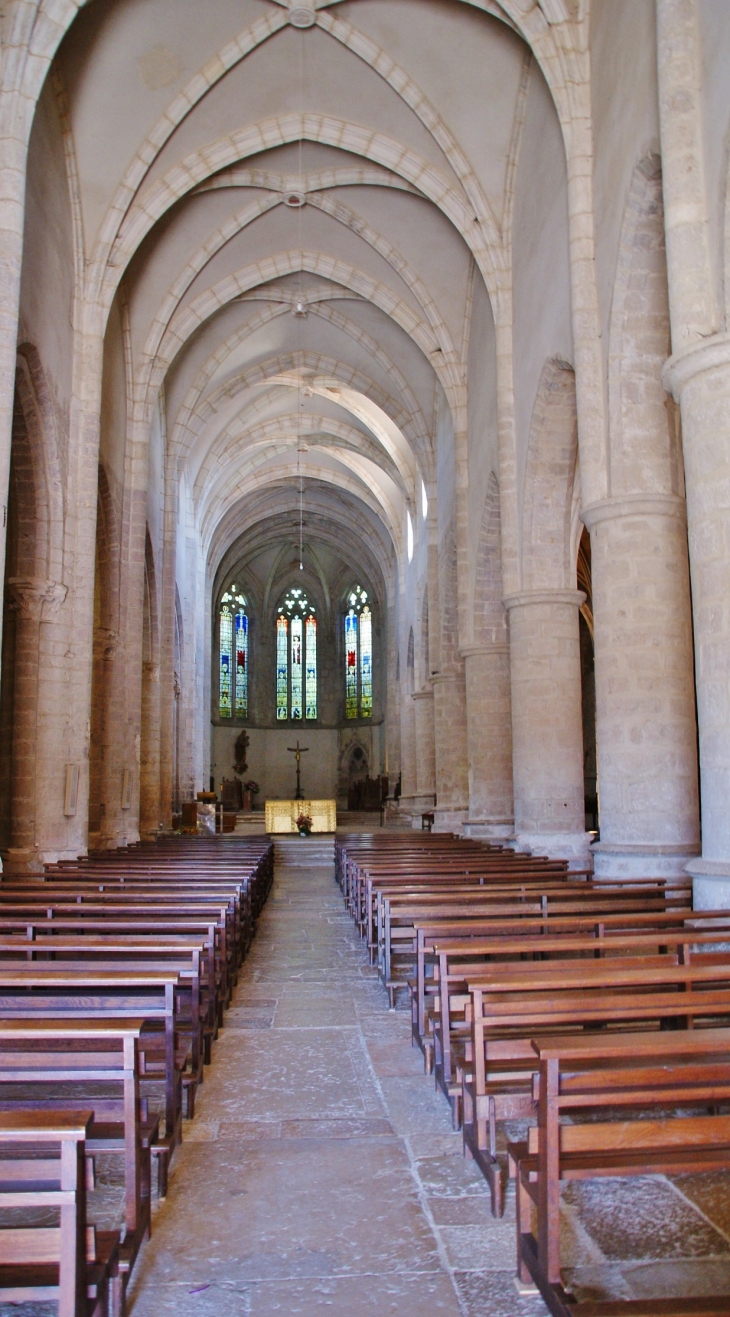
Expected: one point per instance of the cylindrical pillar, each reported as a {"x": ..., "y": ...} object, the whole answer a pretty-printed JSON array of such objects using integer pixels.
[
  {"x": 149, "y": 777},
  {"x": 33, "y": 760},
  {"x": 425, "y": 744},
  {"x": 547, "y": 725},
  {"x": 646, "y": 730},
  {"x": 452, "y": 774},
  {"x": 489, "y": 740},
  {"x": 700, "y": 380},
  {"x": 698, "y": 375},
  {"x": 407, "y": 754}
]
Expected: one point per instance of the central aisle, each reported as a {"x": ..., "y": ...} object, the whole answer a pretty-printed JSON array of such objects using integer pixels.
[{"x": 320, "y": 1173}]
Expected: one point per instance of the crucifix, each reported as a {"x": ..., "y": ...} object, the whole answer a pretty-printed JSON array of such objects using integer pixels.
[{"x": 298, "y": 750}]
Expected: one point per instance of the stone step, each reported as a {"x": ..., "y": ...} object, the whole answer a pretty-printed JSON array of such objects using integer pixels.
[{"x": 304, "y": 852}]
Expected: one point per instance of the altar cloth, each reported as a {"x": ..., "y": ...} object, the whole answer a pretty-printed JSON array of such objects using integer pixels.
[{"x": 281, "y": 815}]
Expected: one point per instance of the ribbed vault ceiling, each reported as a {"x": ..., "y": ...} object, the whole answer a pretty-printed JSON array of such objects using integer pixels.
[{"x": 293, "y": 218}]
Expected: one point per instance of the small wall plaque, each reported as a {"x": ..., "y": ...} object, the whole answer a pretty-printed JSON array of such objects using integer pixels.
[{"x": 72, "y": 790}]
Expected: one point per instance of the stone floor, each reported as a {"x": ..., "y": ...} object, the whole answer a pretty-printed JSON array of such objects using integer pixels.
[{"x": 321, "y": 1174}]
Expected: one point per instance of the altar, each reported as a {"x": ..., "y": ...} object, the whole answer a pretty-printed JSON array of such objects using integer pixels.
[{"x": 281, "y": 815}]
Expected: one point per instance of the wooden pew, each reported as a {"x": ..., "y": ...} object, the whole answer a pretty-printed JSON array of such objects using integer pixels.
[
  {"x": 398, "y": 912},
  {"x": 98, "y": 1060},
  {"x": 66, "y": 993},
  {"x": 457, "y": 959},
  {"x": 645, "y": 1075},
  {"x": 70, "y": 1263},
  {"x": 465, "y": 937},
  {"x": 511, "y": 1005},
  {"x": 155, "y": 933}
]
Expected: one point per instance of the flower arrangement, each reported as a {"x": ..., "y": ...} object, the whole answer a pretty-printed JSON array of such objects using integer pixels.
[
  {"x": 251, "y": 786},
  {"x": 304, "y": 824}
]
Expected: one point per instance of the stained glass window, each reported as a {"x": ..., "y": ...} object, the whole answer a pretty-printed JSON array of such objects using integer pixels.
[
  {"x": 233, "y": 654},
  {"x": 296, "y": 658},
  {"x": 351, "y": 620},
  {"x": 358, "y": 655},
  {"x": 241, "y": 664},
  {"x": 310, "y": 694},
  {"x": 226, "y": 647},
  {"x": 282, "y": 668},
  {"x": 297, "y": 645},
  {"x": 366, "y": 663}
]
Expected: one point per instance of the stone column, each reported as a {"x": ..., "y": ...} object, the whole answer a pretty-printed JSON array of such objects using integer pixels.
[
  {"x": 425, "y": 747},
  {"x": 452, "y": 777},
  {"x": 29, "y": 597},
  {"x": 698, "y": 375},
  {"x": 489, "y": 741},
  {"x": 407, "y": 804},
  {"x": 149, "y": 778},
  {"x": 112, "y": 725},
  {"x": 699, "y": 378},
  {"x": 647, "y": 741},
  {"x": 547, "y": 725}
]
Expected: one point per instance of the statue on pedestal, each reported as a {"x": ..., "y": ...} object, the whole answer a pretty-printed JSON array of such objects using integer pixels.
[{"x": 239, "y": 751}]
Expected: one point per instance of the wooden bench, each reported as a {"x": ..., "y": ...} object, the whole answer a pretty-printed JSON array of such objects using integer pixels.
[
  {"x": 511, "y": 1006},
  {"x": 53, "y": 992},
  {"x": 42, "y": 1165},
  {"x": 641, "y": 1077}
]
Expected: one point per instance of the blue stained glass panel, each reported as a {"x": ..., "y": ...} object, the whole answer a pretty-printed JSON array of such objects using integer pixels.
[
  {"x": 351, "y": 664},
  {"x": 366, "y": 663},
  {"x": 241, "y": 664},
  {"x": 225, "y": 637},
  {"x": 282, "y": 668},
  {"x": 311, "y": 671},
  {"x": 296, "y": 666}
]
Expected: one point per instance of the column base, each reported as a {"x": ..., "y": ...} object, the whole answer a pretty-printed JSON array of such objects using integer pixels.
[
  {"x": 710, "y": 883},
  {"x": 449, "y": 818},
  {"x": 571, "y": 846},
  {"x": 22, "y": 862},
  {"x": 496, "y": 829},
  {"x": 626, "y": 860}
]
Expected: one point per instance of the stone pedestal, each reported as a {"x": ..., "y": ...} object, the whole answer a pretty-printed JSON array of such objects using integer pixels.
[
  {"x": 489, "y": 741},
  {"x": 646, "y": 731},
  {"x": 547, "y": 727}
]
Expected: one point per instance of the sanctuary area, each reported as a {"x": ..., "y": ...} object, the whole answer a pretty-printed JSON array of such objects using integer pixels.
[{"x": 365, "y": 470}]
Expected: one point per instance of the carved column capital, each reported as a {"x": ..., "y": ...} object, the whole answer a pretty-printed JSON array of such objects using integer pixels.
[{"x": 33, "y": 598}]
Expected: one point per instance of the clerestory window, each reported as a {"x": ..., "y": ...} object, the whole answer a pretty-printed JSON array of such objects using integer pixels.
[
  {"x": 296, "y": 658},
  {"x": 358, "y": 655},
  {"x": 233, "y": 654}
]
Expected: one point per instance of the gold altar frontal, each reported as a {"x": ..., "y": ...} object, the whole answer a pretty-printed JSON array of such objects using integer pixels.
[{"x": 281, "y": 815}]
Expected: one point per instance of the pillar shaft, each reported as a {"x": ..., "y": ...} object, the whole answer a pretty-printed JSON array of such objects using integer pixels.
[
  {"x": 452, "y": 776},
  {"x": 425, "y": 743},
  {"x": 698, "y": 375},
  {"x": 647, "y": 739},
  {"x": 700, "y": 379},
  {"x": 547, "y": 727},
  {"x": 489, "y": 740},
  {"x": 407, "y": 749},
  {"x": 149, "y": 778},
  {"x": 38, "y": 753}
]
